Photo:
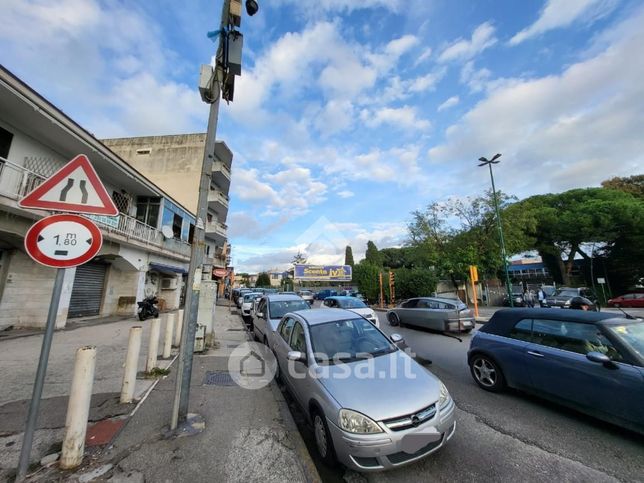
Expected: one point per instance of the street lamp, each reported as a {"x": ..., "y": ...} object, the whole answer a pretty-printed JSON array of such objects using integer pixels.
[{"x": 489, "y": 163}]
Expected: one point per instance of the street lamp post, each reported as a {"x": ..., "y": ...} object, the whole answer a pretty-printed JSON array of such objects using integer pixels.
[{"x": 489, "y": 163}]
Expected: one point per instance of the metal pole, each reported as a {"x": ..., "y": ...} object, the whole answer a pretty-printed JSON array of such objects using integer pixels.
[
  {"x": 34, "y": 405},
  {"x": 503, "y": 255},
  {"x": 189, "y": 329}
]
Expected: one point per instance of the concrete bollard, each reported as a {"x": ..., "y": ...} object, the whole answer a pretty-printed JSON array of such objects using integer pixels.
[
  {"x": 131, "y": 364},
  {"x": 78, "y": 408},
  {"x": 153, "y": 346},
  {"x": 169, "y": 327},
  {"x": 177, "y": 332}
]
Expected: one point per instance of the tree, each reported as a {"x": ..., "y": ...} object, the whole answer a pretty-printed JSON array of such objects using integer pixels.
[
  {"x": 365, "y": 275},
  {"x": 245, "y": 279},
  {"x": 415, "y": 282},
  {"x": 633, "y": 185},
  {"x": 348, "y": 256},
  {"x": 263, "y": 280},
  {"x": 567, "y": 223},
  {"x": 372, "y": 254}
]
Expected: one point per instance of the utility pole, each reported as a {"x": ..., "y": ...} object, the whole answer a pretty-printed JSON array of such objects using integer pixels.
[
  {"x": 211, "y": 93},
  {"x": 494, "y": 160}
]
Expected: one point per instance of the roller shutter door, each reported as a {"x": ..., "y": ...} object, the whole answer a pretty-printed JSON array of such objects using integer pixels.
[{"x": 87, "y": 292}]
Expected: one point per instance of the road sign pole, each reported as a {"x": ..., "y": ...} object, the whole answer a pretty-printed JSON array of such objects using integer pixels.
[{"x": 34, "y": 406}]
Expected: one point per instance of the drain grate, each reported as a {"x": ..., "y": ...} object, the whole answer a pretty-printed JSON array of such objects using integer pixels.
[{"x": 218, "y": 378}]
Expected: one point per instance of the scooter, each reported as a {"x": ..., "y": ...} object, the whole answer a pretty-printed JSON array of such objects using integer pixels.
[{"x": 147, "y": 307}]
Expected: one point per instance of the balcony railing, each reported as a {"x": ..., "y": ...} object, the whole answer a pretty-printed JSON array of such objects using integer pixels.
[
  {"x": 216, "y": 196},
  {"x": 16, "y": 181},
  {"x": 220, "y": 166},
  {"x": 217, "y": 227}
]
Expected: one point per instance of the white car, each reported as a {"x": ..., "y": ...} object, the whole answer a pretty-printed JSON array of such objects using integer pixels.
[
  {"x": 247, "y": 305},
  {"x": 354, "y": 305}
]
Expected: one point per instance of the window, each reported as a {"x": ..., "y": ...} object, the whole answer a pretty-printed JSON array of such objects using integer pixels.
[
  {"x": 209, "y": 217},
  {"x": 122, "y": 201},
  {"x": 410, "y": 304},
  {"x": 286, "y": 328},
  {"x": 147, "y": 210},
  {"x": 191, "y": 234},
  {"x": 177, "y": 223},
  {"x": 522, "y": 331},
  {"x": 298, "y": 340},
  {"x": 573, "y": 337},
  {"x": 5, "y": 142},
  {"x": 143, "y": 151}
]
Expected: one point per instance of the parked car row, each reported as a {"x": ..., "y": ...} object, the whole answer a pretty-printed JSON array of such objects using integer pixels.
[{"x": 365, "y": 423}]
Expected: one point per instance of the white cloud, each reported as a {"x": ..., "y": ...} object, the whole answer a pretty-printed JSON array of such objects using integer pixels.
[
  {"x": 463, "y": 49},
  {"x": 345, "y": 194},
  {"x": 319, "y": 7},
  {"x": 560, "y": 131},
  {"x": 405, "y": 117},
  {"x": 451, "y": 102},
  {"x": 475, "y": 79},
  {"x": 561, "y": 13},
  {"x": 426, "y": 82},
  {"x": 425, "y": 54}
]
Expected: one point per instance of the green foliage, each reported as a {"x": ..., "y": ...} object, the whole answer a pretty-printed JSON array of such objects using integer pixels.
[
  {"x": 414, "y": 282},
  {"x": 365, "y": 275},
  {"x": 633, "y": 185},
  {"x": 348, "y": 256},
  {"x": 372, "y": 254},
  {"x": 263, "y": 280}
]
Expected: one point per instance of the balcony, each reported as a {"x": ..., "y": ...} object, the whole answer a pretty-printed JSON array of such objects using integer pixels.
[
  {"x": 16, "y": 182},
  {"x": 217, "y": 231},
  {"x": 221, "y": 175},
  {"x": 218, "y": 201}
]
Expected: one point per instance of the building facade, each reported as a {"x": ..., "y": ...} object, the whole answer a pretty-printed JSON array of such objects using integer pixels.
[
  {"x": 174, "y": 164},
  {"x": 137, "y": 258}
]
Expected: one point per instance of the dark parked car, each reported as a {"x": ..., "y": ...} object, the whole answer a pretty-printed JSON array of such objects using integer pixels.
[
  {"x": 593, "y": 362},
  {"x": 322, "y": 294},
  {"x": 634, "y": 300},
  {"x": 433, "y": 313},
  {"x": 562, "y": 298},
  {"x": 517, "y": 299}
]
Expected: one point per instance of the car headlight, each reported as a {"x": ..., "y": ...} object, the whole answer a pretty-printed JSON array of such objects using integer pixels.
[
  {"x": 567, "y": 303},
  {"x": 354, "y": 422},
  {"x": 444, "y": 397}
]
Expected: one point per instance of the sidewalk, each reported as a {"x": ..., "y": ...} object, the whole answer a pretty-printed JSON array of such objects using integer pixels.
[
  {"x": 19, "y": 360},
  {"x": 249, "y": 435}
]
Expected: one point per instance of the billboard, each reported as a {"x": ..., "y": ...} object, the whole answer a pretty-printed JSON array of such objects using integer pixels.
[{"x": 323, "y": 273}]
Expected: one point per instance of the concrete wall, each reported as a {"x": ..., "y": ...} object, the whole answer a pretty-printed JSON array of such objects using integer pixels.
[
  {"x": 120, "y": 292},
  {"x": 174, "y": 162}
]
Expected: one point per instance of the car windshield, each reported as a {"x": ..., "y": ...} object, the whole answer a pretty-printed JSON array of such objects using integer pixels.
[
  {"x": 282, "y": 307},
  {"x": 348, "y": 340},
  {"x": 631, "y": 334},
  {"x": 351, "y": 303},
  {"x": 250, "y": 296}
]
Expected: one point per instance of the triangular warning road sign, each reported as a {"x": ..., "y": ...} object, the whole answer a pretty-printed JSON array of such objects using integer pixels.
[{"x": 75, "y": 188}]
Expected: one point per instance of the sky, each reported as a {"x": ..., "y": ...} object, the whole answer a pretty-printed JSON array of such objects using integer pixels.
[{"x": 349, "y": 115}]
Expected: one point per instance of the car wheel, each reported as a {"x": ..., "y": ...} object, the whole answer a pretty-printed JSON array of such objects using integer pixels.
[
  {"x": 323, "y": 441},
  {"x": 487, "y": 373},
  {"x": 393, "y": 319}
]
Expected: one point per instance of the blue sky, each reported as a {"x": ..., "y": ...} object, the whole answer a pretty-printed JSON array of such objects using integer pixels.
[{"x": 351, "y": 114}]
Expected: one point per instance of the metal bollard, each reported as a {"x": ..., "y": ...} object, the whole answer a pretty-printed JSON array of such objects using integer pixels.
[
  {"x": 78, "y": 408},
  {"x": 177, "y": 332},
  {"x": 169, "y": 326},
  {"x": 131, "y": 364},
  {"x": 153, "y": 346}
]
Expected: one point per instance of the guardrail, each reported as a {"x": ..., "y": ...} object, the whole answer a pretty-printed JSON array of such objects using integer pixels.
[{"x": 16, "y": 181}]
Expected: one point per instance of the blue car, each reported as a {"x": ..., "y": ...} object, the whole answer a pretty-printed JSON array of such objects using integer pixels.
[{"x": 590, "y": 361}]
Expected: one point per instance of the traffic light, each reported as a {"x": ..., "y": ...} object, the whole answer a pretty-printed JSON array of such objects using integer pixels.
[
  {"x": 392, "y": 277},
  {"x": 474, "y": 273}
]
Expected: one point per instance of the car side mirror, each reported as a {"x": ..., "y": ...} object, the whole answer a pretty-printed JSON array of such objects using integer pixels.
[
  {"x": 296, "y": 356},
  {"x": 260, "y": 315},
  {"x": 598, "y": 357},
  {"x": 397, "y": 338}
]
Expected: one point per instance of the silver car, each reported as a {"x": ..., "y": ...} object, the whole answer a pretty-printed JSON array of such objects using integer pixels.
[
  {"x": 307, "y": 295},
  {"x": 437, "y": 313},
  {"x": 371, "y": 406},
  {"x": 270, "y": 310}
]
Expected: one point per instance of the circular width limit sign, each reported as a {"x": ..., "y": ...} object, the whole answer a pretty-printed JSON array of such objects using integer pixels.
[{"x": 63, "y": 241}]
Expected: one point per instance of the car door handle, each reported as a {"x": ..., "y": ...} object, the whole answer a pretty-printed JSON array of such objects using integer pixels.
[{"x": 536, "y": 354}]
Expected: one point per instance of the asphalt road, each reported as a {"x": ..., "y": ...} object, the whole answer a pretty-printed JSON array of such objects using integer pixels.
[{"x": 509, "y": 436}]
